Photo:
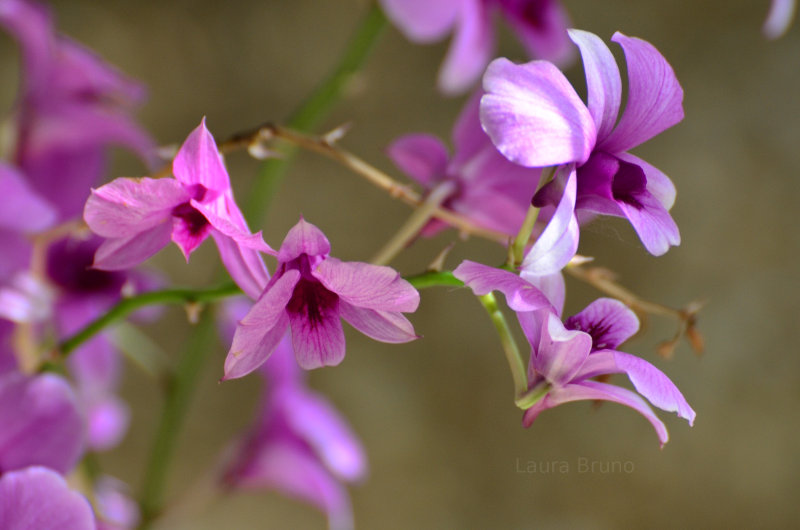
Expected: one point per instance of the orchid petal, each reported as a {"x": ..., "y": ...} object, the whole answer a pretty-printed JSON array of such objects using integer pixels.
[
  {"x": 384, "y": 326},
  {"x": 655, "y": 98},
  {"x": 243, "y": 264},
  {"x": 779, "y": 18},
  {"x": 422, "y": 157},
  {"x": 470, "y": 49},
  {"x": 560, "y": 352},
  {"x": 303, "y": 238},
  {"x": 368, "y": 286},
  {"x": 422, "y": 20},
  {"x": 608, "y": 321},
  {"x": 320, "y": 341},
  {"x": 534, "y": 116},
  {"x": 544, "y": 31},
  {"x": 603, "y": 81},
  {"x": 24, "y": 210},
  {"x": 652, "y": 223},
  {"x": 552, "y": 285},
  {"x": 199, "y": 162},
  {"x": 482, "y": 279},
  {"x": 218, "y": 214},
  {"x": 126, "y": 252},
  {"x": 658, "y": 184},
  {"x": 468, "y": 135}
]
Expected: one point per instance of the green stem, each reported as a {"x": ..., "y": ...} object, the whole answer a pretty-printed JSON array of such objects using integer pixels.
[
  {"x": 509, "y": 345},
  {"x": 517, "y": 253},
  {"x": 179, "y": 388},
  {"x": 434, "y": 279},
  {"x": 314, "y": 108},
  {"x": 126, "y": 306}
]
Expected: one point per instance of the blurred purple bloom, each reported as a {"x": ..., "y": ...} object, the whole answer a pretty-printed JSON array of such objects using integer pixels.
[
  {"x": 564, "y": 359},
  {"x": 71, "y": 107},
  {"x": 38, "y": 498},
  {"x": 310, "y": 292},
  {"x": 116, "y": 510},
  {"x": 536, "y": 119},
  {"x": 488, "y": 189},
  {"x": 300, "y": 444},
  {"x": 41, "y": 423},
  {"x": 140, "y": 216},
  {"x": 779, "y": 18},
  {"x": 540, "y": 25}
]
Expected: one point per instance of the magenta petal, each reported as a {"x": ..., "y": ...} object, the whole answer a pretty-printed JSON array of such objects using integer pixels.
[
  {"x": 658, "y": 184},
  {"x": 652, "y": 223},
  {"x": 108, "y": 421},
  {"x": 560, "y": 352},
  {"x": 198, "y": 162},
  {"x": 592, "y": 390},
  {"x": 127, "y": 252},
  {"x": 23, "y": 210},
  {"x": 422, "y": 20},
  {"x": 41, "y": 423},
  {"x": 127, "y": 206},
  {"x": 608, "y": 321},
  {"x": 422, "y": 157},
  {"x": 604, "y": 84},
  {"x": 37, "y": 497},
  {"x": 384, "y": 326},
  {"x": 218, "y": 214},
  {"x": 314, "y": 420},
  {"x": 534, "y": 116},
  {"x": 655, "y": 98},
  {"x": 470, "y": 49},
  {"x": 779, "y": 18},
  {"x": 303, "y": 238},
  {"x": 483, "y": 279},
  {"x": 243, "y": 264},
  {"x": 368, "y": 286},
  {"x": 317, "y": 341},
  {"x": 552, "y": 285},
  {"x": 543, "y": 33}
]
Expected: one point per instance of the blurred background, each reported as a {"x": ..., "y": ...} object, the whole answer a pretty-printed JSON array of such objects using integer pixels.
[{"x": 445, "y": 442}]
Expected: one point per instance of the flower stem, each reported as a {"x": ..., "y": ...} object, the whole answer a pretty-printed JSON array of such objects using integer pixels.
[
  {"x": 179, "y": 387},
  {"x": 314, "y": 108},
  {"x": 509, "y": 345},
  {"x": 517, "y": 253},
  {"x": 418, "y": 219},
  {"x": 127, "y": 306},
  {"x": 434, "y": 279}
]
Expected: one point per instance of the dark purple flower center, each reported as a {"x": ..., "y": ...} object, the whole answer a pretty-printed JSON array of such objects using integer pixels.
[
  {"x": 530, "y": 12},
  {"x": 194, "y": 222},
  {"x": 598, "y": 330},
  {"x": 69, "y": 263},
  {"x": 310, "y": 298},
  {"x": 628, "y": 184},
  {"x": 611, "y": 178}
]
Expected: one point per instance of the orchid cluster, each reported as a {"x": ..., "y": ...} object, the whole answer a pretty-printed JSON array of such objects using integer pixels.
[{"x": 531, "y": 163}]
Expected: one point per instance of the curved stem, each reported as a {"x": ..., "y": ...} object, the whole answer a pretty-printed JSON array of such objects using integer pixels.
[
  {"x": 434, "y": 279},
  {"x": 517, "y": 252},
  {"x": 510, "y": 348}
]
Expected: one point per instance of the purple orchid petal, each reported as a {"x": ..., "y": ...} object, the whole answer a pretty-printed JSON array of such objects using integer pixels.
[
  {"x": 8, "y": 361},
  {"x": 592, "y": 390},
  {"x": 468, "y": 135},
  {"x": 314, "y": 420},
  {"x": 32, "y": 25},
  {"x": 41, "y": 423},
  {"x": 383, "y": 326},
  {"x": 534, "y": 116},
  {"x": 648, "y": 380},
  {"x": 108, "y": 419},
  {"x": 483, "y": 279},
  {"x": 303, "y": 238},
  {"x": 125, "y": 207},
  {"x": 560, "y": 352},
  {"x": 558, "y": 242},
  {"x": 422, "y": 20},
  {"x": 368, "y": 286},
  {"x": 127, "y": 252},
  {"x": 198, "y": 162},
  {"x": 218, "y": 216},
  {"x": 27, "y": 212},
  {"x": 603, "y": 81},
  {"x": 655, "y": 98},
  {"x": 552, "y": 285},
  {"x": 260, "y": 331},
  {"x": 189, "y": 229},
  {"x": 422, "y": 157},
  {"x": 115, "y": 506},
  {"x": 37, "y": 497},
  {"x": 652, "y": 223},
  {"x": 470, "y": 49},
  {"x": 779, "y": 18},
  {"x": 243, "y": 264},
  {"x": 282, "y": 368},
  {"x": 608, "y": 321},
  {"x": 317, "y": 334},
  {"x": 658, "y": 184},
  {"x": 541, "y": 26}
]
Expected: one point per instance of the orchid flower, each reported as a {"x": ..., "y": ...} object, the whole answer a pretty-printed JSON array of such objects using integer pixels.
[
  {"x": 540, "y": 25},
  {"x": 536, "y": 119},
  {"x": 309, "y": 293},
  {"x": 140, "y": 216},
  {"x": 565, "y": 359}
]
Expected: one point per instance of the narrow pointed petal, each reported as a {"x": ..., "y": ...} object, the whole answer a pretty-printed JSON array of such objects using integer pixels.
[
  {"x": 652, "y": 223},
  {"x": 560, "y": 352},
  {"x": 27, "y": 211},
  {"x": 199, "y": 162},
  {"x": 422, "y": 20},
  {"x": 37, "y": 497},
  {"x": 655, "y": 98},
  {"x": 552, "y": 285},
  {"x": 470, "y": 49},
  {"x": 125, "y": 206},
  {"x": 603, "y": 81},
  {"x": 368, "y": 286},
  {"x": 608, "y": 321},
  {"x": 648, "y": 380},
  {"x": 384, "y": 326},
  {"x": 533, "y": 115},
  {"x": 303, "y": 238},
  {"x": 592, "y": 390},
  {"x": 252, "y": 346},
  {"x": 658, "y": 184},
  {"x": 219, "y": 216},
  {"x": 317, "y": 342},
  {"x": 127, "y": 252},
  {"x": 558, "y": 242},
  {"x": 41, "y": 423},
  {"x": 244, "y": 265},
  {"x": 483, "y": 279},
  {"x": 317, "y": 422},
  {"x": 779, "y": 18},
  {"x": 422, "y": 157}
]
